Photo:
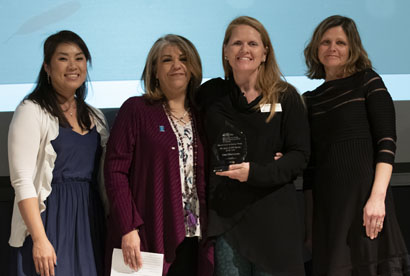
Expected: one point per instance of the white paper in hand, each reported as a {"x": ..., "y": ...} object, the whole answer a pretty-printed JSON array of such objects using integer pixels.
[{"x": 152, "y": 264}]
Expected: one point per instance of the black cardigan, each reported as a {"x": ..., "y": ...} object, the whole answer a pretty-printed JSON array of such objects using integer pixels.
[{"x": 260, "y": 217}]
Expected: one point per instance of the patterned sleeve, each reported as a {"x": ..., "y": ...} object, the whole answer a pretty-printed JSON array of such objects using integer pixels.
[
  {"x": 309, "y": 172},
  {"x": 382, "y": 119},
  {"x": 118, "y": 159}
]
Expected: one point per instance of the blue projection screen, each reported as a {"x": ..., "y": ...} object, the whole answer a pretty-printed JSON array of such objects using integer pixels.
[{"x": 120, "y": 33}]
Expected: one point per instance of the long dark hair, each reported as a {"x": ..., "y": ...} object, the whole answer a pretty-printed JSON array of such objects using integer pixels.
[{"x": 46, "y": 96}]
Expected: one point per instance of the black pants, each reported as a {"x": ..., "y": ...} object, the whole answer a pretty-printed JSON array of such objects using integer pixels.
[{"x": 186, "y": 261}]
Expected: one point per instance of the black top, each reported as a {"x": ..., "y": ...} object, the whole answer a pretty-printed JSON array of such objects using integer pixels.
[
  {"x": 353, "y": 127},
  {"x": 260, "y": 217}
]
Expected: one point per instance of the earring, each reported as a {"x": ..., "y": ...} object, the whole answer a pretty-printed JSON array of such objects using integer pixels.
[
  {"x": 225, "y": 57},
  {"x": 156, "y": 83},
  {"x": 48, "y": 78}
]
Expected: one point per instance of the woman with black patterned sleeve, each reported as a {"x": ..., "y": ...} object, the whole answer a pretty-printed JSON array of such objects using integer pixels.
[{"x": 353, "y": 135}]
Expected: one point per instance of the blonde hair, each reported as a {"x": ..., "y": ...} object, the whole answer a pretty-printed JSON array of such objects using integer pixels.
[
  {"x": 357, "y": 60},
  {"x": 152, "y": 91},
  {"x": 269, "y": 81}
]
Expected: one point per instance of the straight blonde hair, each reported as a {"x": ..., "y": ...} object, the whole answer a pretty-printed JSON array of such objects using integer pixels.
[{"x": 270, "y": 80}]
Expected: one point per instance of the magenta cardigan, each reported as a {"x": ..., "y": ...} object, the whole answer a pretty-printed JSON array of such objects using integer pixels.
[{"x": 144, "y": 186}]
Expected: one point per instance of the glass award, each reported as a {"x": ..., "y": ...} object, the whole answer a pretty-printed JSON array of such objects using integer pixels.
[{"x": 230, "y": 147}]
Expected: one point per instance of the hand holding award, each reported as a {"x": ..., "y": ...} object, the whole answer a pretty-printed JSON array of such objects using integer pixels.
[{"x": 230, "y": 147}]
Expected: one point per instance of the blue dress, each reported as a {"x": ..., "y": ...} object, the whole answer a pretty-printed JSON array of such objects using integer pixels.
[{"x": 74, "y": 216}]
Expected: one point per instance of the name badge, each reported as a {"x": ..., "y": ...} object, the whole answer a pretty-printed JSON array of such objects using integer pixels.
[{"x": 267, "y": 107}]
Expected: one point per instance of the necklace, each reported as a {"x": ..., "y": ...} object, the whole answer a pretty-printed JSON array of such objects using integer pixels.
[
  {"x": 180, "y": 119},
  {"x": 191, "y": 199},
  {"x": 70, "y": 109}
]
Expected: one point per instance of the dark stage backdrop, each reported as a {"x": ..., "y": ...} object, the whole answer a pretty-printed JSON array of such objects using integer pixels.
[{"x": 400, "y": 179}]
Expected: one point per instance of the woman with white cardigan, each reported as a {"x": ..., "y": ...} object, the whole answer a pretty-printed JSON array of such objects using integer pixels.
[{"x": 55, "y": 144}]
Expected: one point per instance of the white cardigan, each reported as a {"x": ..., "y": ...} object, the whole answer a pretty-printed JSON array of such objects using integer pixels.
[{"x": 31, "y": 159}]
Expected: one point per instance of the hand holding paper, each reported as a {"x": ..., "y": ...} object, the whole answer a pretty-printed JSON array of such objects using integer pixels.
[
  {"x": 130, "y": 246},
  {"x": 152, "y": 264}
]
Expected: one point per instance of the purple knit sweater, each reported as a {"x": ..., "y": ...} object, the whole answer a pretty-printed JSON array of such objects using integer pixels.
[{"x": 144, "y": 186}]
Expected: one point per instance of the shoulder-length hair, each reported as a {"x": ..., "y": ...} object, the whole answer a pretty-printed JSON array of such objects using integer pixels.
[
  {"x": 44, "y": 93},
  {"x": 270, "y": 80},
  {"x": 152, "y": 90},
  {"x": 357, "y": 60}
]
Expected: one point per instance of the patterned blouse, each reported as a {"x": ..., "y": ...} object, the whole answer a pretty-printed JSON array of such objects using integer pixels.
[{"x": 189, "y": 193}]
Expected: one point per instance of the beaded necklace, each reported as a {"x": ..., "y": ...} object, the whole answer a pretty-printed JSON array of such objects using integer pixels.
[
  {"x": 191, "y": 193},
  {"x": 180, "y": 119}
]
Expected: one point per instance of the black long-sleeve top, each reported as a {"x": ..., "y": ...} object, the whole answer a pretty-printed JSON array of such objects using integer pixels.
[
  {"x": 260, "y": 217},
  {"x": 353, "y": 128}
]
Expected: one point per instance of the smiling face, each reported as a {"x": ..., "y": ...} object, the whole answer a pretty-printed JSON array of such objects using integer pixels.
[
  {"x": 172, "y": 72},
  {"x": 67, "y": 69},
  {"x": 333, "y": 50},
  {"x": 245, "y": 50}
]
